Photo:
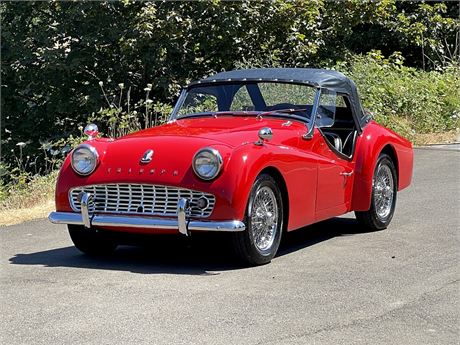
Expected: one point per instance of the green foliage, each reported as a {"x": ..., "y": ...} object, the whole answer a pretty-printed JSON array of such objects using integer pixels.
[
  {"x": 408, "y": 100},
  {"x": 26, "y": 174},
  {"x": 427, "y": 34},
  {"x": 55, "y": 55},
  {"x": 121, "y": 117}
]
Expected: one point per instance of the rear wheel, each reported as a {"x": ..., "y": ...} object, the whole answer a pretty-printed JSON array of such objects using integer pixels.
[
  {"x": 258, "y": 244},
  {"x": 383, "y": 202},
  {"x": 91, "y": 242}
]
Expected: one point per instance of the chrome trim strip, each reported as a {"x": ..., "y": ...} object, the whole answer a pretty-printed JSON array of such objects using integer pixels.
[{"x": 146, "y": 222}]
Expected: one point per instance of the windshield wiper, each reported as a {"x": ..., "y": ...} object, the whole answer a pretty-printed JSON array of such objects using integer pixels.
[
  {"x": 216, "y": 113},
  {"x": 282, "y": 111}
]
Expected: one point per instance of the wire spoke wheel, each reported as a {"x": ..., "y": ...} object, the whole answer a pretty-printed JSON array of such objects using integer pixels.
[
  {"x": 383, "y": 191},
  {"x": 383, "y": 199},
  {"x": 264, "y": 221},
  {"x": 264, "y": 218}
]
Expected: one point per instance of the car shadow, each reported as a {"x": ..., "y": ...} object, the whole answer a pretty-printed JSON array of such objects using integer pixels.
[
  {"x": 199, "y": 255},
  {"x": 319, "y": 232}
]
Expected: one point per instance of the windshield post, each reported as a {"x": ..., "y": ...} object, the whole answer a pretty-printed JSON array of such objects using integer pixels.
[
  {"x": 314, "y": 111},
  {"x": 179, "y": 103}
]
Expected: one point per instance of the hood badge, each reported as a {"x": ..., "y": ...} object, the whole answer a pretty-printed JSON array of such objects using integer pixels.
[{"x": 147, "y": 157}]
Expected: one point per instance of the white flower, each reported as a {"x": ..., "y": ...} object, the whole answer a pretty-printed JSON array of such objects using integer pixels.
[
  {"x": 46, "y": 145},
  {"x": 149, "y": 86},
  {"x": 21, "y": 144},
  {"x": 147, "y": 89},
  {"x": 101, "y": 83},
  {"x": 121, "y": 86}
]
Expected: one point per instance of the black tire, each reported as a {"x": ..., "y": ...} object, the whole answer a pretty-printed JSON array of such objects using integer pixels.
[
  {"x": 244, "y": 242},
  {"x": 371, "y": 219},
  {"x": 91, "y": 242}
]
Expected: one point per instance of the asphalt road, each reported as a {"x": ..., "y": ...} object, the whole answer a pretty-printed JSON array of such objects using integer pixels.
[{"x": 330, "y": 284}]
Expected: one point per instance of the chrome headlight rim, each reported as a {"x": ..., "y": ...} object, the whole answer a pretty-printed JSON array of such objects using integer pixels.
[
  {"x": 219, "y": 161},
  {"x": 93, "y": 151}
]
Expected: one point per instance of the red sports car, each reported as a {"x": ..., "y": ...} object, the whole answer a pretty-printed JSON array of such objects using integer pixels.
[{"x": 252, "y": 152}]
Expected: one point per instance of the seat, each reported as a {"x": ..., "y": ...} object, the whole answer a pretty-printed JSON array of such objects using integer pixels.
[
  {"x": 335, "y": 140},
  {"x": 349, "y": 140}
]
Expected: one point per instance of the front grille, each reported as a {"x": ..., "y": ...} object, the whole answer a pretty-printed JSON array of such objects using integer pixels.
[{"x": 142, "y": 199}]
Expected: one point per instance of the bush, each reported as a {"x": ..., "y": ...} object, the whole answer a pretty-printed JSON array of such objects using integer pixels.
[
  {"x": 121, "y": 116},
  {"x": 28, "y": 191},
  {"x": 405, "y": 99}
]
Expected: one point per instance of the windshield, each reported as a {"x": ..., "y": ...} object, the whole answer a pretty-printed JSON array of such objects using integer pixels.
[{"x": 254, "y": 98}]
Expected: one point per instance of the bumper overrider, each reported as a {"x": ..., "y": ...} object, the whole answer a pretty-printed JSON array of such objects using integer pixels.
[{"x": 183, "y": 224}]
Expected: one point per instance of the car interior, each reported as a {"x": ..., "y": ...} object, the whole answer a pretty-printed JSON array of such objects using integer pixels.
[{"x": 337, "y": 126}]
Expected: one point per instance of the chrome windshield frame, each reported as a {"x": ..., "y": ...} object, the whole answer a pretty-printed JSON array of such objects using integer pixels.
[
  {"x": 180, "y": 101},
  {"x": 185, "y": 90},
  {"x": 314, "y": 111}
]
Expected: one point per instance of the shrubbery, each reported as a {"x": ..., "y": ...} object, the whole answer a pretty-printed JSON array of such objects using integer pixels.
[
  {"x": 405, "y": 99},
  {"x": 408, "y": 100},
  {"x": 56, "y": 57}
]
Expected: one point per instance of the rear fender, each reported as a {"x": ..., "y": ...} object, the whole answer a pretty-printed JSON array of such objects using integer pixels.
[{"x": 374, "y": 140}]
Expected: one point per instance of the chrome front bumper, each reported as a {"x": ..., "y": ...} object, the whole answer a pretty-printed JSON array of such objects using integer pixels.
[{"x": 182, "y": 223}]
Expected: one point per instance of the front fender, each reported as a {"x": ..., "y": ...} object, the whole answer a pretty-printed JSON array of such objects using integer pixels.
[{"x": 298, "y": 170}]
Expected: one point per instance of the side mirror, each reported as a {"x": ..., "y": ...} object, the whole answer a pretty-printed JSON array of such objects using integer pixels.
[
  {"x": 265, "y": 134},
  {"x": 367, "y": 112}
]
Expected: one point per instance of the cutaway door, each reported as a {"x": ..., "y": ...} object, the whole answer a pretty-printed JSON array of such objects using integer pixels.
[{"x": 335, "y": 181}]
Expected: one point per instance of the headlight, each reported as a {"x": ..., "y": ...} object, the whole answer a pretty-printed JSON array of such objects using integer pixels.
[
  {"x": 84, "y": 159},
  {"x": 207, "y": 163}
]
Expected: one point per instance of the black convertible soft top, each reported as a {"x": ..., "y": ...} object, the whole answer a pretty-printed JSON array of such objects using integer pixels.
[{"x": 320, "y": 78}]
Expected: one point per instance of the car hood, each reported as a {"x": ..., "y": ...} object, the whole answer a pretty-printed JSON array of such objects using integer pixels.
[
  {"x": 231, "y": 131},
  {"x": 174, "y": 145}
]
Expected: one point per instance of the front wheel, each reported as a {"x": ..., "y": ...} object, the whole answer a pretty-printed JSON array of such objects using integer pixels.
[
  {"x": 258, "y": 244},
  {"x": 91, "y": 242},
  {"x": 384, "y": 189}
]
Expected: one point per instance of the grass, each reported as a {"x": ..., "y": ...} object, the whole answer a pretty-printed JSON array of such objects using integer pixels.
[
  {"x": 20, "y": 215},
  {"x": 28, "y": 201},
  {"x": 448, "y": 137}
]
